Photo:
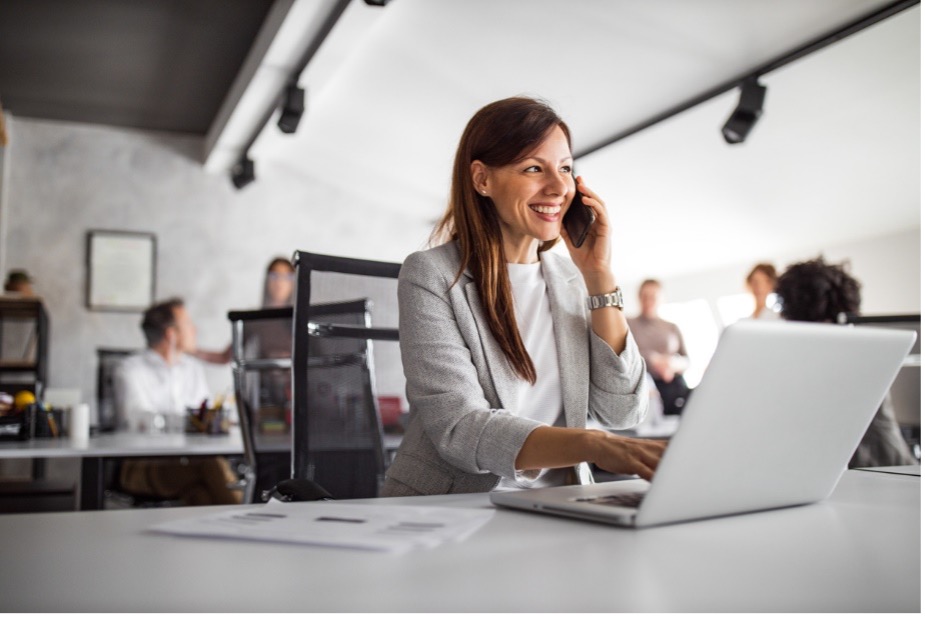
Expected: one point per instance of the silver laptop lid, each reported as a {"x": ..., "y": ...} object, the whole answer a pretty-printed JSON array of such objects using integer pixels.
[{"x": 778, "y": 414}]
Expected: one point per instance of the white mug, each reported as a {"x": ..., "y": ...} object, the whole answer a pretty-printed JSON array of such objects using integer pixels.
[{"x": 78, "y": 428}]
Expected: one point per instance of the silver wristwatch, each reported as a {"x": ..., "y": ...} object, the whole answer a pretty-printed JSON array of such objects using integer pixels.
[{"x": 614, "y": 298}]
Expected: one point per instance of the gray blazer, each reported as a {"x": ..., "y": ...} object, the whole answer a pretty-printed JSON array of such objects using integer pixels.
[{"x": 464, "y": 432}]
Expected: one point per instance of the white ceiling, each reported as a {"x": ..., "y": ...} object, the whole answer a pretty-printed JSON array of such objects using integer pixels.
[{"x": 835, "y": 157}]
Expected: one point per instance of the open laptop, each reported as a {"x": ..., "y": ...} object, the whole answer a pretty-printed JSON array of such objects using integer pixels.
[{"x": 774, "y": 422}]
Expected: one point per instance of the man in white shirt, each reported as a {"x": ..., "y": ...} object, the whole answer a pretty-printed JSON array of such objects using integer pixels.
[
  {"x": 163, "y": 379},
  {"x": 153, "y": 389}
]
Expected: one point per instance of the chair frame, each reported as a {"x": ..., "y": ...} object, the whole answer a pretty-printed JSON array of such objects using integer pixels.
[
  {"x": 101, "y": 379},
  {"x": 305, "y": 263},
  {"x": 239, "y": 369}
]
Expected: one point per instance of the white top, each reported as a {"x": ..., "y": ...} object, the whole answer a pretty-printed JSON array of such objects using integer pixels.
[
  {"x": 541, "y": 401},
  {"x": 768, "y": 313},
  {"x": 145, "y": 384}
]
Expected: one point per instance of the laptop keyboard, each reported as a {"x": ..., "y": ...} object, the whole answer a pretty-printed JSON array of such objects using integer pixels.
[{"x": 623, "y": 500}]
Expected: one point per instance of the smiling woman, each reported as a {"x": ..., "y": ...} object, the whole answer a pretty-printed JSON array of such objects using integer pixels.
[
  {"x": 530, "y": 194},
  {"x": 503, "y": 362}
]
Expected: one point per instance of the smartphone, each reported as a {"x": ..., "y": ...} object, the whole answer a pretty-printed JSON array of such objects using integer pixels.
[{"x": 578, "y": 219}]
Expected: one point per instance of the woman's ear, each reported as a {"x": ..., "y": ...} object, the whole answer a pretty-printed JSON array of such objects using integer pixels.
[{"x": 479, "y": 173}]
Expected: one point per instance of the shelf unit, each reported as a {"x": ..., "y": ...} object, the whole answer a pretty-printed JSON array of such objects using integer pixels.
[{"x": 23, "y": 345}]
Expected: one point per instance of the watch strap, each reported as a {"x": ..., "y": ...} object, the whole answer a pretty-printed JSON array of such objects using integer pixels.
[{"x": 614, "y": 298}]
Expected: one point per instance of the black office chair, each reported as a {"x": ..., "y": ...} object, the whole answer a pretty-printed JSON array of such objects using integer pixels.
[
  {"x": 262, "y": 372},
  {"x": 107, "y": 359},
  {"x": 337, "y": 436},
  {"x": 261, "y": 366}
]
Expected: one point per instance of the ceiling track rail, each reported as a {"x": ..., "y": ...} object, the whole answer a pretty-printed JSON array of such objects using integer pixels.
[
  {"x": 812, "y": 46},
  {"x": 326, "y": 28}
]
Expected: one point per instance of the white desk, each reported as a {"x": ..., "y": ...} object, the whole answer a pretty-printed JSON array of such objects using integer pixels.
[
  {"x": 94, "y": 452},
  {"x": 857, "y": 551},
  {"x": 125, "y": 444},
  {"x": 907, "y": 470},
  {"x": 97, "y": 449}
]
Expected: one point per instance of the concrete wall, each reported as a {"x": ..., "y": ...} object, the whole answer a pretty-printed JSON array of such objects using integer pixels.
[{"x": 213, "y": 242}]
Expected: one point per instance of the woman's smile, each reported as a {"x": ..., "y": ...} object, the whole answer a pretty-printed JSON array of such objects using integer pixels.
[
  {"x": 547, "y": 212},
  {"x": 531, "y": 195}
]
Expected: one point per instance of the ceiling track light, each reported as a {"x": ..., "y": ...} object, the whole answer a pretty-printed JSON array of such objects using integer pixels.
[
  {"x": 746, "y": 113},
  {"x": 242, "y": 173},
  {"x": 376, "y": 2},
  {"x": 293, "y": 106}
]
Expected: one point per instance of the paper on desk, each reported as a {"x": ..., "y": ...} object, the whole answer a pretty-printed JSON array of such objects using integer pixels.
[{"x": 343, "y": 525}]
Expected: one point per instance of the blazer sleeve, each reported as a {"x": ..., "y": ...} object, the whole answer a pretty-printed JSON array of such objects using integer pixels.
[
  {"x": 443, "y": 385},
  {"x": 618, "y": 397}
]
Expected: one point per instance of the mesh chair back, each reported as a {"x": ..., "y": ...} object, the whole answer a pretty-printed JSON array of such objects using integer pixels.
[
  {"x": 262, "y": 370},
  {"x": 262, "y": 354},
  {"x": 381, "y": 290},
  {"x": 345, "y": 352},
  {"x": 107, "y": 360},
  {"x": 338, "y": 377}
]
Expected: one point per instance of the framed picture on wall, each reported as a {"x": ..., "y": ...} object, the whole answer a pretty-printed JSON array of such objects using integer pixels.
[{"x": 121, "y": 268}]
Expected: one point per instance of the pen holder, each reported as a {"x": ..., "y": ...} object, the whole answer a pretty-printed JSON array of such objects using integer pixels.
[
  {"x": 35, "y": 420},
  {"x": 209, "y": 421},
  {"x": 14, "y": 427}
]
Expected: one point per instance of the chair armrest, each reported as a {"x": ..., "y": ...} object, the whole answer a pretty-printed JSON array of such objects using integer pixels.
[
  {"x": 350, "y": 359},
  {"x": 356, "y": 332},
  {"x": 264, "y": 363}
]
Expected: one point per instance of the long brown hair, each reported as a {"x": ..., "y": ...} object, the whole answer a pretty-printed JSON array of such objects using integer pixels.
[{"x": 498, "y": 134}]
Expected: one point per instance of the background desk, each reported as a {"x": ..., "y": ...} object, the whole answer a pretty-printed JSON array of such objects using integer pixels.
[
  {"x": 908, "y": 470},
  {"x": 97, "y": 449},
  {"x": 857, "y": 551}
]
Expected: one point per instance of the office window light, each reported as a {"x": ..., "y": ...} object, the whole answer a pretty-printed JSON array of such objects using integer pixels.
[
  {"x": 740, "y": 306},
  {"x": 698, "y": 327}
]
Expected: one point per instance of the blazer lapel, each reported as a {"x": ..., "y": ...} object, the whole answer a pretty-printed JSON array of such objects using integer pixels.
[
  {"x": 570, "y": 329},
  {"x": 502, "y": 375}
]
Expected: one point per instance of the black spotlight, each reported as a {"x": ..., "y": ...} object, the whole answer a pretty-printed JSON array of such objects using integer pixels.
[
  {"x": 377, "y": 2},
  {"x": 746, "y": 114},
  {"x": 242, "y": 173},
  {"x": 293, "y": 106}
]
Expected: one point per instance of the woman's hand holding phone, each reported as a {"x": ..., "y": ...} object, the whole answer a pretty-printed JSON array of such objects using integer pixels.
[
  {"x": 593, "y": 260},
  {"x": 578, "y": 218},
  {"x": 593, "y": 255}
]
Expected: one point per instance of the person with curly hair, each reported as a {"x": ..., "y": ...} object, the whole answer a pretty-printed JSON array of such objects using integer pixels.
[
  {"x": 820, "y": 292},
  {"x": 816, "y": 291}
]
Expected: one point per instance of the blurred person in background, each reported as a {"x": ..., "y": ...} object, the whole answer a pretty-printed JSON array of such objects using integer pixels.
[
  {"x": 20, "y": 283},
  {"x": 819, "y": 292},
  {"x": 154, "y": 389},
  {"x": 278, "y": 289},
  {"x": 662, "y": 347},
  {"x": 760, "y": 282}
]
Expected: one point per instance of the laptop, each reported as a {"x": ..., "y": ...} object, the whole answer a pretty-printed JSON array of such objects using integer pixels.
[{"x": 779, "y": 412}]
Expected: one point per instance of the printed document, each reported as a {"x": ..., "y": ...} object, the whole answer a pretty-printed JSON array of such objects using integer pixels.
[{"x": 335, "y": 524}]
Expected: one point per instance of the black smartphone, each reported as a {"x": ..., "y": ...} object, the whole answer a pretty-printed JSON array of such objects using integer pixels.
[{"x": 578, "y": 219}]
